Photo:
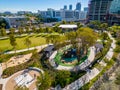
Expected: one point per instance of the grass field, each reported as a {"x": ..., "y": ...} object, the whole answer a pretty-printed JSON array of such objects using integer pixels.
[{"x": 36, "y": 40}]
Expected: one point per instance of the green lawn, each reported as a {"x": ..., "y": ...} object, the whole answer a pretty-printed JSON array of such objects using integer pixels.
[{"x": 35, "y": 39}]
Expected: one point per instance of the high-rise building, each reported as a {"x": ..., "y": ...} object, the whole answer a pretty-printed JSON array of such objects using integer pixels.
[
  {"x": 58, "y": 15},
  {"x": 67, "y": 15},
  {"x": 24, "y": 12},
  {"x": 114, "y": 12},
  {"x": 115, "y": 7},
  {"x": 86, "y": 9},
  {"x": 99, "y": 9},
  {"x": 50, "y": 13},
  {"x": 78, "y": 6},
  {"x": 65, "y": 7},
  {"x": 70, "y": 7},
  {"x": 82, "y": 15},
  {"x": 76, "y": 14}
]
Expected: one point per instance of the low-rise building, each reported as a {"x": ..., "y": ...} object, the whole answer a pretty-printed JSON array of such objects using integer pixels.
[
  {"x": 15, "y": 21},
  {"x": 68, "y": 15},
  {"x": 64, "y": 14},
  {"x": 68, "y": 27},
  {"x": 82, "y": 15}
]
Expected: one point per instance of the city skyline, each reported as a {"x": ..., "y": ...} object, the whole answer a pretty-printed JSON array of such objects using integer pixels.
[{"x": 34, "y": 6}]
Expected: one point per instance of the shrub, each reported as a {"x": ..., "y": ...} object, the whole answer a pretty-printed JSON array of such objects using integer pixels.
[
  {"x": 34, "y": 61},
  {"x": 117, "y": 50},
  {"x": 118, "y": 42}
]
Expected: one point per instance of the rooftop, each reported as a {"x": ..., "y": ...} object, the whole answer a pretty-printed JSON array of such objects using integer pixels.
[
  {"x": 49, "y": 48},
  {"x": 68, "y": 26}
]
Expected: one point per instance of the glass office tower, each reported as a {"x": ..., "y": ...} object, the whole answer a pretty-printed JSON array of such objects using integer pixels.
[
  {"x": 114, "y": 12},
  {"x": 99, "y": 9},
  {"x": 115, "y": 7},
  {"x": 70, "y": 7},
  {"x": 78, "y": 6}
]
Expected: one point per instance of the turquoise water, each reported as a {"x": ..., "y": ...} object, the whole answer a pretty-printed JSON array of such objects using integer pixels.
[{"x": 70, "y": 59}]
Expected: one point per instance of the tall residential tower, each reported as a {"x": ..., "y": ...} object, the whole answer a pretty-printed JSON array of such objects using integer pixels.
[
  {"x": 78, "y": 6},
  {"x": 70, "y": 7}
]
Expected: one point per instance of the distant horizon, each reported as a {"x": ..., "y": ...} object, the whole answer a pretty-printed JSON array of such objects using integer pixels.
[{"x": 33, "y": 6}]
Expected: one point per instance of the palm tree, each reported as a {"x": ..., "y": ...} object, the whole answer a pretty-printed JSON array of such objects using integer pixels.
[{"x": 27, "y": 42}]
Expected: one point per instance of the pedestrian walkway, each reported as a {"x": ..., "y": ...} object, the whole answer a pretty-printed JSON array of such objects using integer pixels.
[
  {"x": 0, "y": 70},
  {"x": 23, "y": 50},
  {"x": 83, "y": 80},
  {"x": 82, "y": 65},
  {"x": 51, "y": 59},
  {"x": 93, "y": 73},
  {"x": 110, "y": 53}
]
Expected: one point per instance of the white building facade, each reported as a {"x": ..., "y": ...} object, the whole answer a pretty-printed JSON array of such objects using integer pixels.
[{"x": 67, "y": 15}]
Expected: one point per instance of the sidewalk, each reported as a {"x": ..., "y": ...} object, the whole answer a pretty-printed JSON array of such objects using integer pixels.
[
  {"x": 83, "y": 80},
  {"x": 82, "y": 65},
  {"x": 111, "y": 50},
  {"x": 93, "y": 73},
  {"x": 23, "y": 50}
]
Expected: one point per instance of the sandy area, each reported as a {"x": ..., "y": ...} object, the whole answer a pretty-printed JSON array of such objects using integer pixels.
[
  {"x": 11, "y": 84},
  {"x": 16, "y": 60}
]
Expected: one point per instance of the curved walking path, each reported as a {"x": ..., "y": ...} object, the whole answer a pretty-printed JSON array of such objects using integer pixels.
[
  {"x": 92, "y": 73},
  {"x": 16, "y": 61},
  {"x": 73, "y": 68},
  {"x": 83, "y": 80},
  {"x": 111, "y": 50},
  {"x": 4, "y": 81}
]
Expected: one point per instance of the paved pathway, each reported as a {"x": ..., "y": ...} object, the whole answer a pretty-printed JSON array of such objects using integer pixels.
[
  {"x": 23, "y": 50},
  {"x": 82, "y": 65},
  {"x": 110, "y": 53},
  {"x": 51, "y": 59},
  {"x": 0, "y": 71},
  {"x": 93, "y": 73},
  {"x": 4, "y": 81},
  {"x": 83, "y": 80},
  {"x": 90, "y": 74}
]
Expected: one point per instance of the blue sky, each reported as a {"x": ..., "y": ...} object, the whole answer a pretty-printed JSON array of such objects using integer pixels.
[{"x": 34, "y": 5}]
